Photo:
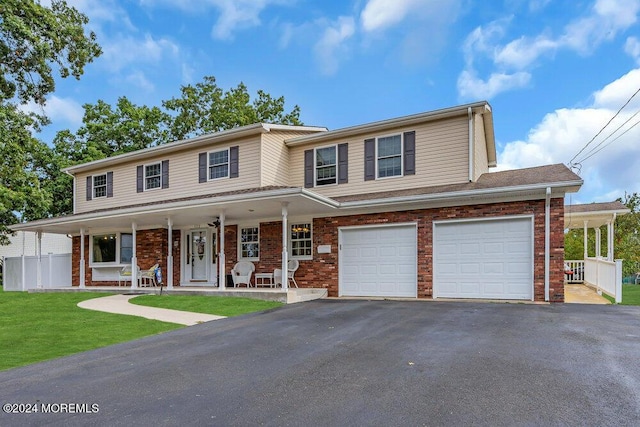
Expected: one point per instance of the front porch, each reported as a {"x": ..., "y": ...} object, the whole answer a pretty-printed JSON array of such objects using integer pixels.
[
  {"x": 601, "y": 272},
  {"x": 287, "y": 296}
]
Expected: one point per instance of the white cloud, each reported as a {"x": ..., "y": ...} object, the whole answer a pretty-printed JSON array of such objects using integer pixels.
[
  {"x": 126, "y": 50},
  {"x": 470, "y": 86},
  {"x": 331, "y": 45},
  {"x": 632, "y": 48},
  {"x": 139, "y": 80},
  {"x": 381, "y": 14},
  {"x": 582, "y": 35},
  {"x": 608, "y": 167},
  {"x": 58, "y": 109}
]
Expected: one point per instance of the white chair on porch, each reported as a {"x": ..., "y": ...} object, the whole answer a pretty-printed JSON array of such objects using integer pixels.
[
  {"x": 292, "y": 266},
  {"x": 242, "y": 272},
  {"x": 125, "y": 275}
]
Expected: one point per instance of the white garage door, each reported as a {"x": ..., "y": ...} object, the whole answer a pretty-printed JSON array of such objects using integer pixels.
[
  {"x": 484, "y": 259},
  {"x": 378, "y": 261}
]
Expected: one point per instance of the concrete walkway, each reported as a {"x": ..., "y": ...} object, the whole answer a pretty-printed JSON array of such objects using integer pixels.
[
  {"x": 582, "y": 294},
  {"x": 119, "y": 304}
]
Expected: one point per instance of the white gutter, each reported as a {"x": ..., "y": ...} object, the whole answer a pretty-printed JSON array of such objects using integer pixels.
[
  {"x": 470, "y": 113},
  {"x": 547, "y": 245}
]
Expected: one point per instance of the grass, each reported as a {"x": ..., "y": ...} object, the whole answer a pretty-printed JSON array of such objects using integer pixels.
[
  {"x": 40, "y": 326},
  {"x": 630, "y": 295},
  {"x": 221, "y": 306}
]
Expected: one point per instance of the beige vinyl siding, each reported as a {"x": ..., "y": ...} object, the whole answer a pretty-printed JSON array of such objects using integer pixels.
[
  {"x": 275, "y": 165},
  {"x": 183, "y": 177},
  {"x": 480, "y": 160},
  {"x": 442, "y": 149}
]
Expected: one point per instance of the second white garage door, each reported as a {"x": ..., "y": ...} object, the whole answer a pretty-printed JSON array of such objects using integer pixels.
[
  {"x": 484, "y": 259},
  {"x": 378, "y": 261}
]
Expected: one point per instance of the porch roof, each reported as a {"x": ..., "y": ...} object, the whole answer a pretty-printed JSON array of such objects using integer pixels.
[
  {"x": 265, "y": 203},
  {"x": 595, "y": 214}
]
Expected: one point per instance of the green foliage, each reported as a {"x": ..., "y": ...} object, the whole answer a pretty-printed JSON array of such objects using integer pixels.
[
  {"x": 21, "y": 196},
  {"x": 206, "y": 108},
  {"x": 220, "y": 306},
  {"x": 32, "y": 38}
]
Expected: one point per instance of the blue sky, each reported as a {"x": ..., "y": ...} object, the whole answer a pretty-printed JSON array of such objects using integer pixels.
[{"x": 555, "y": 72}]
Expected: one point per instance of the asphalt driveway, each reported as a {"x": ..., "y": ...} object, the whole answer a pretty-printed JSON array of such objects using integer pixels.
[{"x": 339, "y": 363}]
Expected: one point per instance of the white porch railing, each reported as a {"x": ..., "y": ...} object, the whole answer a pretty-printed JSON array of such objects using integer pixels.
[
  {"x": 21, "y": 273},
  {"x": 605, "y": 276}
]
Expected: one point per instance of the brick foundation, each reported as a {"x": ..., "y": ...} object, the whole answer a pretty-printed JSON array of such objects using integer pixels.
[{"x": 322, "y": 270}]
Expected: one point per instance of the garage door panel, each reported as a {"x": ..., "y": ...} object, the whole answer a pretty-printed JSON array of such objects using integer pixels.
[
  {"x": 378, "y": 261},
  {"x": 484, "y": 259}
]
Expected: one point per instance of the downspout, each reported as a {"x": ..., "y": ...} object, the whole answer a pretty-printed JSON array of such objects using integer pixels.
[
  {"x": 470, "y": 114},
  {"x": 547, "y": 225}
]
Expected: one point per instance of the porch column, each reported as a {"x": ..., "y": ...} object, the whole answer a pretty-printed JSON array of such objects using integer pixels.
[
  {"x": 82, "y": 266},
  {"x": 39, "y": 264},
  {"x": 222, "y": 270},
  {"x": 610, "y": 238},
  {"x": 169, "y": 253},
  {"x": 134, "y": 258},
  {"x": 285, "y": 255},
  {"x": 598, "y": 245},
  {"x": 584, "y": 240}
]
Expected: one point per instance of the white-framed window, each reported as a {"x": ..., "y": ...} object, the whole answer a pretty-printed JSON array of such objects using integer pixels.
[
  {"x": 152, "y": 176},
  {"x": 99, "y": 186},
  {"x": 389, "y": 156},
  {"x": 249, "y": 243},
  {"x": 111, "y": 248},
  {"x": 219, "y": 164},
  {"x": 300, "y": 240},
  {"x": 326, "y": 161}
]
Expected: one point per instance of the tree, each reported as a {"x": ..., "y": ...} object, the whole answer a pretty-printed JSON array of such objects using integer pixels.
[
  {"x": 206, "y": 108},
  {"x": 33, "y": 39}
]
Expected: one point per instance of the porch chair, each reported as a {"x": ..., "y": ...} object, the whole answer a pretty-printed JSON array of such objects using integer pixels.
[
  {"x": 241, "y": 273},
  {"x": 125, "y": 275},
  {"x": 148, "y": 277},
  {"x": 292, "y": 266}
]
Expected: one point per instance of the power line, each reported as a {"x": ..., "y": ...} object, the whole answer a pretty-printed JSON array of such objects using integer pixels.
[
  {"x": 603, "y": 128},
  {"x": 612, "y": 141},
  {"x": 596, "y": 150}
]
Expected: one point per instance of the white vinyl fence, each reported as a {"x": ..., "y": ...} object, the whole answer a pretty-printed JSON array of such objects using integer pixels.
[
  {"x": 605, "y": 276},
  {"x": 21, "y": 273}
]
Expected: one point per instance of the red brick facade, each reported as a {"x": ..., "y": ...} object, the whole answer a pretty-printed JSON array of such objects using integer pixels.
[{"x": 322, "y": 270}]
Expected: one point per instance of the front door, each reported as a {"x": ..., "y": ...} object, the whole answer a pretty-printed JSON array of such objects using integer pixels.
[{"x": 199, "y": 255}]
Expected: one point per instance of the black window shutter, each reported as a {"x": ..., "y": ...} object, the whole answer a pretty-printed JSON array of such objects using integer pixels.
[
  {"x": 410, "y": 153},
  {"x": 109, "y": 184},
  {"x": 202, "y": 167},
  {"x": 343, "y": 163},
  {"x": 308, "y": 169},
  {"x": 140, "y": 179},
  {"x": 89, "y": 187},
  {"x": 165, "y": 174},
  {"x": 233, "y": 162},
  {"x": 369, "y": 159}
]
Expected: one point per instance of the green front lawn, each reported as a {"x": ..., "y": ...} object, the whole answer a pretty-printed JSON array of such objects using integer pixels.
[
  {"x": 630, "y": 295},
  {"x": 221, "y": 306},
  {"x": 39, "y": 326}
]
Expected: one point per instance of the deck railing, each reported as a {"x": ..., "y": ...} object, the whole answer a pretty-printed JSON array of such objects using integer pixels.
[{"x": 605, "y": 276}]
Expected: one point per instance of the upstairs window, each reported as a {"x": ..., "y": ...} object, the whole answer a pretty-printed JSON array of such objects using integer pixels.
[
  {"x": 100, "y": 186},
  {"x": 152, "y": 176},
  {"x": 326, "y": 165},
  {"x": 219, "y": 164},
  {"x": 389, "y": 157}
]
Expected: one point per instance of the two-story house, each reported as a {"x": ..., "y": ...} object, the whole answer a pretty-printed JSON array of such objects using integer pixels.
[{"x": 404, "y": 207}]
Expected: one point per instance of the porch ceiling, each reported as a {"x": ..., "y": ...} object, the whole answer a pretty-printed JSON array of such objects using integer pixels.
[{"x": 595, "y": 214}]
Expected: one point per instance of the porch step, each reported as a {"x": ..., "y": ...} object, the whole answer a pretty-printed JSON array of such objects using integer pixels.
[{"x": 305, "y": 294}]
